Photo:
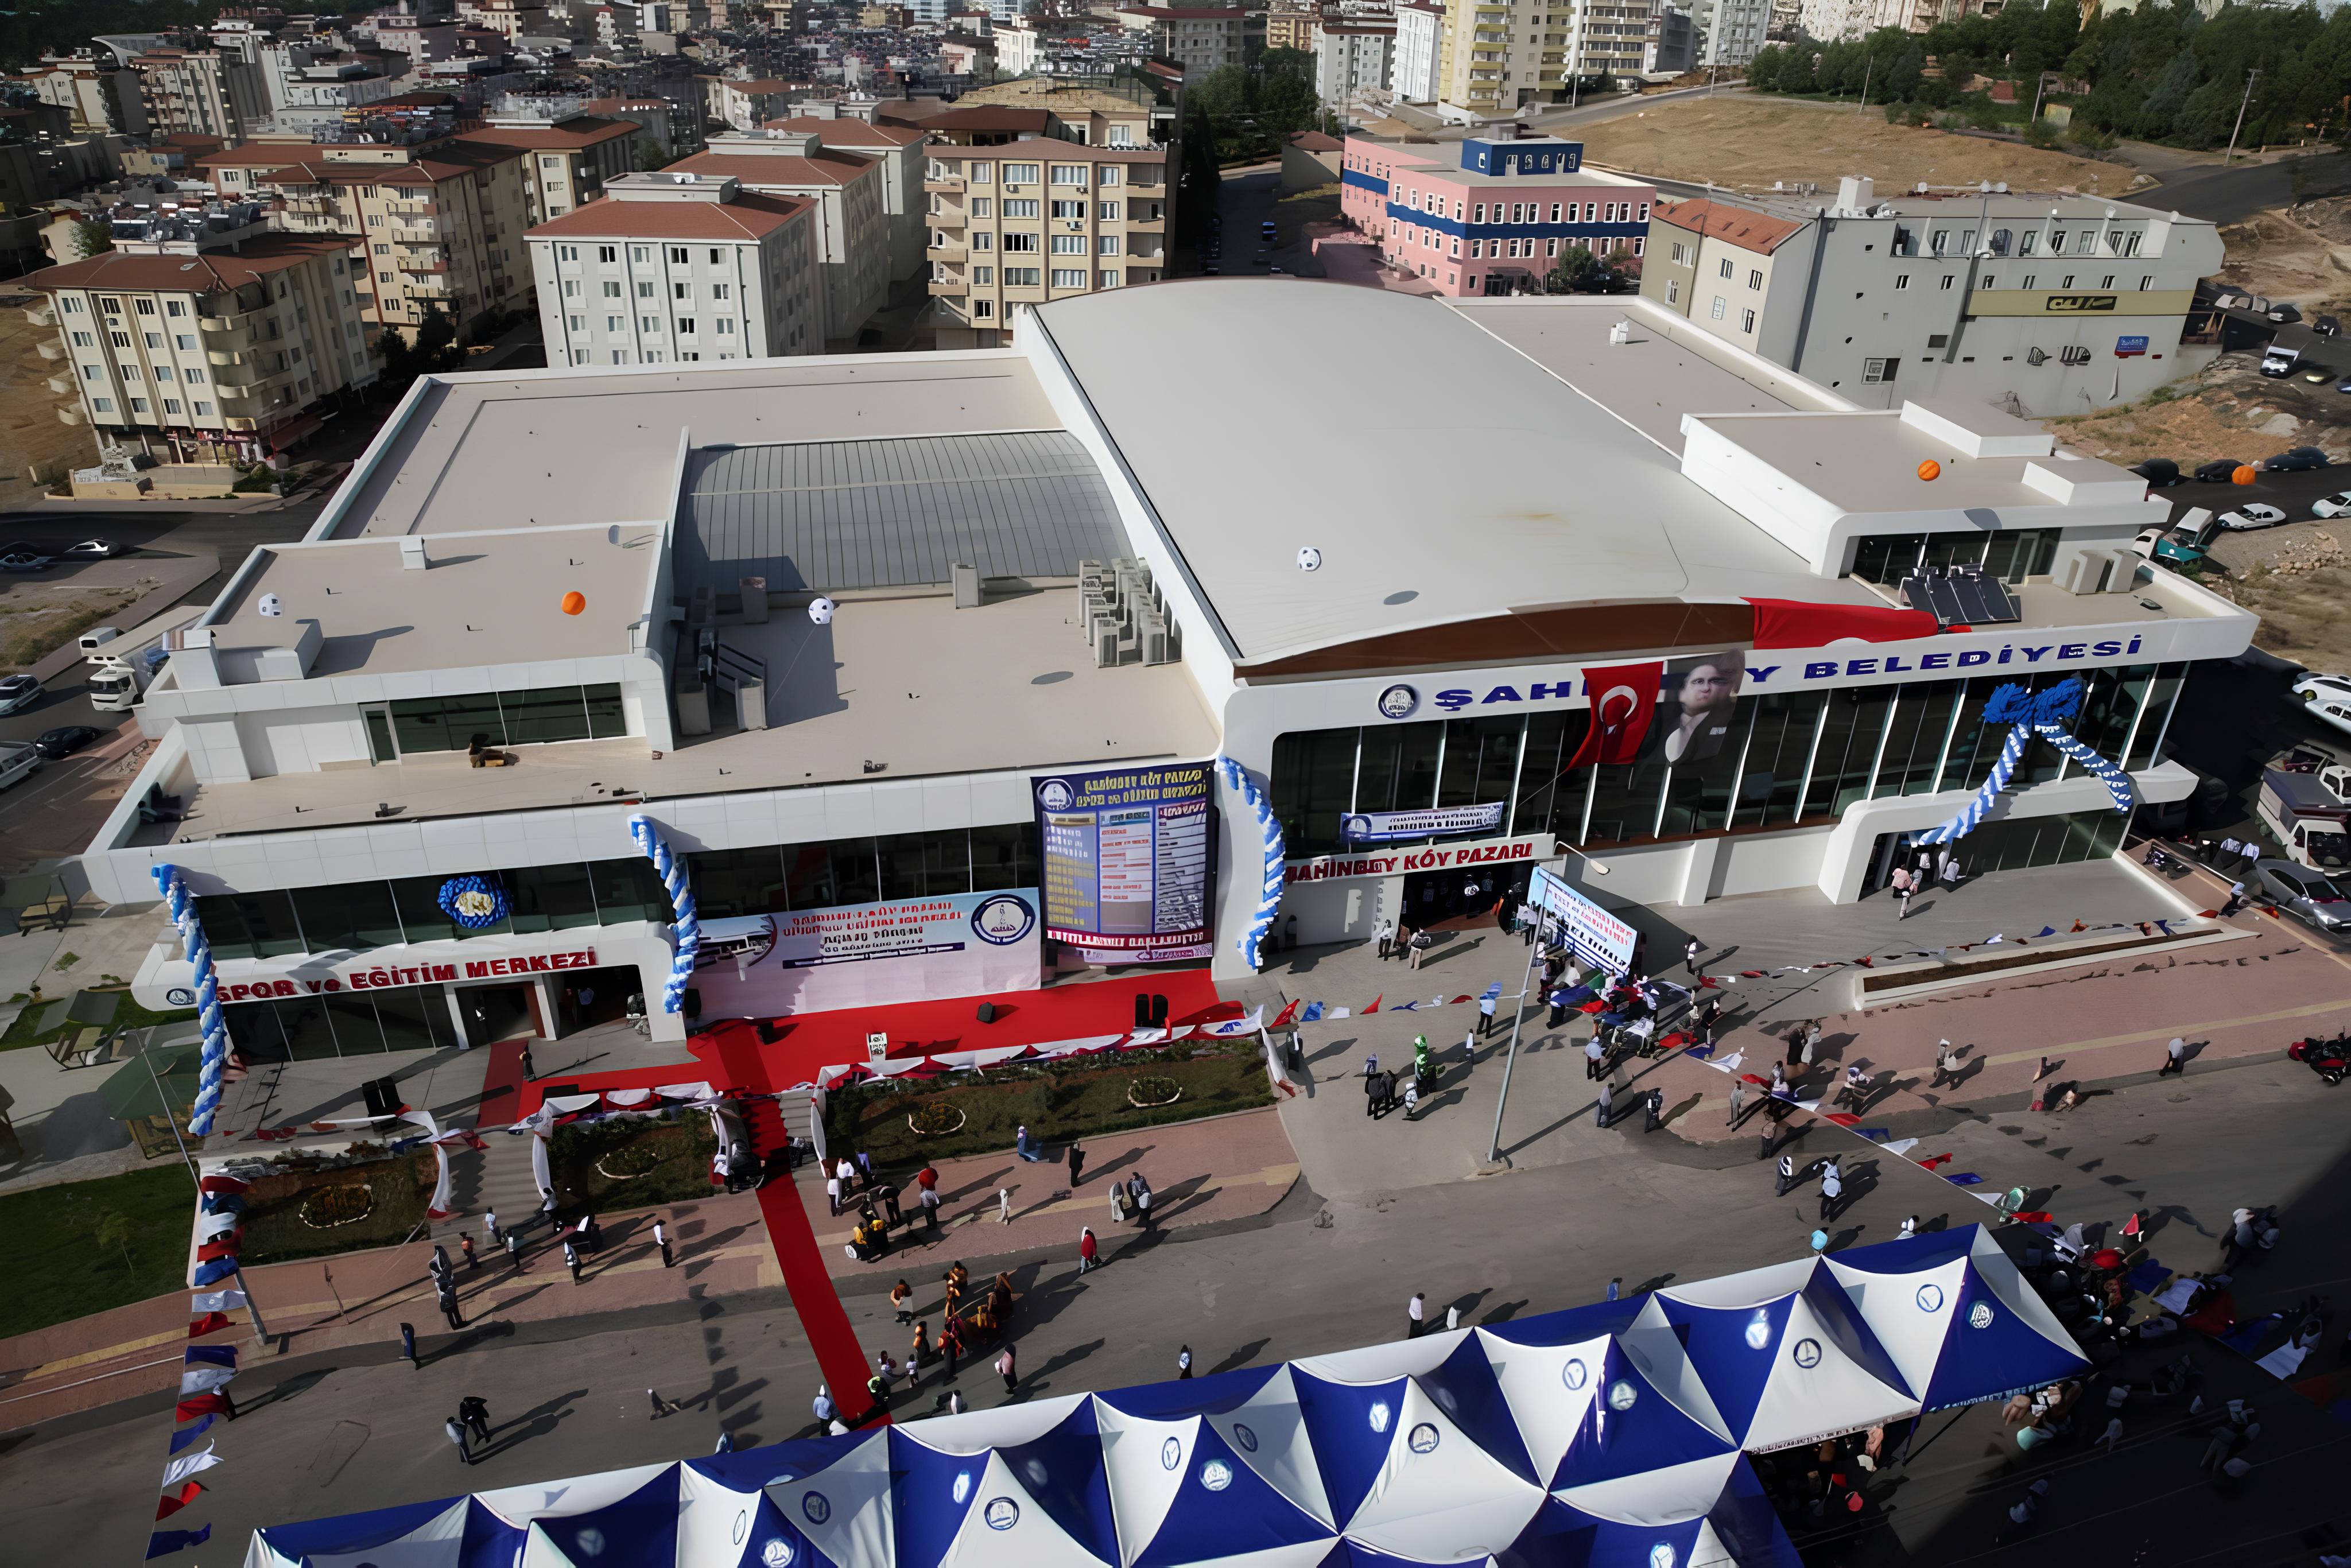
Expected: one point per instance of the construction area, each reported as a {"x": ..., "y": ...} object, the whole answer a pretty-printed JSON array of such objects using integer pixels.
[
  {"x": 31, "y": 436},
  {"x": 1751, "y": 143}
]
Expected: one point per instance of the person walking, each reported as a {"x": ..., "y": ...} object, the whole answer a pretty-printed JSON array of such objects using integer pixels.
[
  {"x": 1416, "y": 1313},
  {"x": 1901, "y": 893},
  {"x": 1607, "y": 1111},
  {"x": 1909, "y": 1228},
  {"x": 529, "y": 1070},
  {"x": 902, "y": 1301},
  {"x": 1946, "y": 1066},
  {"x": 2175, "y": 1057},
  {"x": 951, "y": 1344},
  {"x": 572, "y": 1259},
  {"x": 1596, "y": 1056},
  {"x": 474, "y": 1412},
  {"x": 1385, "y": 933},
  {"x": 1027, "y": 1146},
  {"x": 832, "y": 1194},
  {"x": 1485, "y": 1015},
  {"x": 408, "y": 1346},
  {"x": 1006, "y": 1369},
  {"x": 1690, "y": 956},
  {"x": 449, "y": 1308},
  {"x": 1556, "y": 1000},
  {"x": 514, "y": 1250},
  {"x": 1832, "y": 1191},
  {"x": 1184, "y": 1364},
  {"x": 1616, "y": 1289},
  {"x": 930, "y": 1196},
  {"x": 661, "y": 1239},
  {"x": 823, "y": 1407},
  {"x": 1785, "y": 1177},
  {"x": 1143, "y": 1211},
  {"x": 456, "y": 1431},
  {"x": 465, "y": 1245},
  {"x": 1088, "y": 1250},
  {"x": 1003, "y": 1206},
  {"x": 490, "y": 1227},
  {"x": 865, "y": 1169},
  {"x": 1420, "y": 943},
  {"x": 1738, "y": 1101},
  {"x": 1077, "y": 1165}
]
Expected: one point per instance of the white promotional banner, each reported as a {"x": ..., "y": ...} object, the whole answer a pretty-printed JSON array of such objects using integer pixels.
[
  {"x": 1392, "y": 827},
  {"x": 1599, "y": 938},
  {"x": 869, "y": 955}
]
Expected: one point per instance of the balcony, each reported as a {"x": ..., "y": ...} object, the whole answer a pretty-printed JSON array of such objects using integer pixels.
[
  {"x": 49, "y": 349},
  {"x": 943, "y": 185},
  {"x": 229, "y": 372},
  {"x": 948, "y": 252},
  {"x": 223, "y": 345},
  {"x": 61, "y": 384},
  {"x": 432, "y": 285},
  {"x": 421, "y": 264},
  {"x": 416, "y": 234},
  {"x": 951, "y": 288},
  {"x": 42, "y": 315}
]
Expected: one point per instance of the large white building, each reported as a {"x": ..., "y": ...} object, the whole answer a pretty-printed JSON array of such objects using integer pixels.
[
  {"x": 1061, "y": 592},
  {"x": 1733, "y": 29},
  {"x": 1352, "y": 57},
  {"x": 677, "y": 269},
  {"x": 2048, "y": 303},
  {"x": 1419, "y": 46}
]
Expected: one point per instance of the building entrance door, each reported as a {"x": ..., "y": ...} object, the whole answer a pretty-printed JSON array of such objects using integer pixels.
[{"x": 497, "y": 1012}]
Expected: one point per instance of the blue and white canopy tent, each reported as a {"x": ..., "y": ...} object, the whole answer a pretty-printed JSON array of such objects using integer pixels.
[{"x": 1604, "y": 1435}]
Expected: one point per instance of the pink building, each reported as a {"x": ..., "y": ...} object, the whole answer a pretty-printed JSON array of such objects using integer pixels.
[{"x": 1485, "y": 216}]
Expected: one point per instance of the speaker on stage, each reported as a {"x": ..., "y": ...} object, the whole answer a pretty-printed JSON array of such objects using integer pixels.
[
  {"x": 987, "y": 1012},
  {"x": 1142, "y": 1009},
  {"x": 383, "y": 1096}
]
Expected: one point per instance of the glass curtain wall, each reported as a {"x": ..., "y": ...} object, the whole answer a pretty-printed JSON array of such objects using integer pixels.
[{"x": 838, "y": 871}]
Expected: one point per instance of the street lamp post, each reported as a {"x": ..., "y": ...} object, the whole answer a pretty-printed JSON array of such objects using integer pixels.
[{"x": 1518, "y": 1022}]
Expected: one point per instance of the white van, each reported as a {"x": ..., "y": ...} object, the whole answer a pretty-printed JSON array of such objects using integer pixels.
[{"x": 16, "y": 763}]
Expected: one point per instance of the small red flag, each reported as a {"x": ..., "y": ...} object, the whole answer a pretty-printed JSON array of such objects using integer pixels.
[
  {"x": 1843, "y": 1118},
  {"x": 1864, "y": 963},
  {"x": 209, "y": 1324},
  {"x": 2079, "y": 926},
  {"x": 1933, "y": 1161},
  {"x": 1284, "y": 1016},
  {"x": 1375, "y": 1003},
  {"x": 200, "y": 1405},
  {"x": 224, "y": 1246},
  {"x": 171, "y": 1502}
]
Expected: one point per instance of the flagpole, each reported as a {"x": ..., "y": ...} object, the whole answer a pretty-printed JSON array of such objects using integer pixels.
[
  {"x": 260, "y": 1330},
  {"x": 1518, "y": 1022}
]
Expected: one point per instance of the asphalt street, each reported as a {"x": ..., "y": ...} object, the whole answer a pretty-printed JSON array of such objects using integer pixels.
[
  {"x": 2227, "y": 196},
  {"x": 350, "y": 1430}
]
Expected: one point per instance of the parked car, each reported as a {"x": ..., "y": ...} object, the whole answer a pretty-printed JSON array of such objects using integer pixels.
[
  {"x": 2328, "y": 698},
  {"x": 2316, "y": 377},
  {"x": 2219, "y": 471},
  {"x": 2295, "y": 460},
  {"x": 66, "y": 740},
  {"x": 91, "y": 550},
  {"x": 2253, "y": 516},
  {"x": 2327, "y": 327},
  {"x": 2160, "y": 473},
  {"x": 2283, "y": 313},
  {"x": 22, "y": 562},
  {"x": 18, "y": 693},
  {"x": 2333, "y": 506},
  {"x": 2308, "y": 895}
]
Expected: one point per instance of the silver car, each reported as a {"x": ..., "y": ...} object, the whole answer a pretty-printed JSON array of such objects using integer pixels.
[{"x": 2310, "y": 896}]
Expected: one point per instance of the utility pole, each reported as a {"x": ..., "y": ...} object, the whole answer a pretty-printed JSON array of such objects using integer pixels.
[
  {"x": 2250, "y": 77},
  {"x": 2040, "y": 85},
  {"x": 1866, "y": 72}
]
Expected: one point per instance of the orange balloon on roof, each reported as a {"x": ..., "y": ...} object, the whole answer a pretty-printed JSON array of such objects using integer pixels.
[
  {"x": 574, "y": 603},
  {"x": 1930, "y": 469}
]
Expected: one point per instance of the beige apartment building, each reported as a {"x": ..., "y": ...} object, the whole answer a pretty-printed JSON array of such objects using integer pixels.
[
  {"x": 99, "y": 96},
  {"x": 566, "y": 162},
  {"x": 440, "y": 226},
  {"x": 205, "y": 91},
  {"x": 1037, "y": 220},
  {"x": 900, "y": 150},
  {"x": 852, "y": 213},
  {"x": 209, "y": 338}
]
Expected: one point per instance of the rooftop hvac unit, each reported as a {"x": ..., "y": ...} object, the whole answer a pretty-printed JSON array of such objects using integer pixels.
[{"x": 1105, "y": 636}]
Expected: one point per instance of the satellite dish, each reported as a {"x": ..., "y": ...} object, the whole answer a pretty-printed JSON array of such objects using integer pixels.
[
  {"x": 820, "y": 611},
  {"x": 270, "y": 605}
]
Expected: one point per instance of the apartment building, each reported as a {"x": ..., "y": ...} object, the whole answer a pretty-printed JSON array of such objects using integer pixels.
[
  {"x": 1732, "y": 30},
  {"x": 673, "y": 267},
  {"x": 1038, "y": 220},
  {"x": 1606, "y": 42},
  {"x": 2043, "y": 304},
  {"x": 1351, "y": 57},
  {"x": 1200, "y": 38},
  {"x": 1488, "y": 215},
  {"x": 441, "y": 225},
  {"x": 746, "y": 105},
  {"x": 852, "y": 217},
  {"x": 1292, "y": 25},
  {"x": 1127, "y": 108},
  {"x": 900, "y": 152},
  {"x": 207, "y": 91},
  {"x": 204, "y": 337},
  {"x": 1671, "y": 48},
  {"x": 1419, "y": 46},
  {"x": 565, "y": 163},
  {"x": 98, "y": 96},
  {"x": 1496, "y": 55}
]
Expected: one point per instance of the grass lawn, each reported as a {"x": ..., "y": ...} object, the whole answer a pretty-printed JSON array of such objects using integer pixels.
[
  {"x": 1058, "y": 1102},
  {"x": 276, "y": 1230},
  {"x": 21, "y": 1030},
  {"x": 644, "y": 1162},
  {"x": 65, "y": 1268}
]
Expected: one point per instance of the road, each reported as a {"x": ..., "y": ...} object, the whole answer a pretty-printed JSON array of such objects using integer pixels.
[
  {"x": 352, "y": 1430},
  {"x": 2232, "y": 195}
]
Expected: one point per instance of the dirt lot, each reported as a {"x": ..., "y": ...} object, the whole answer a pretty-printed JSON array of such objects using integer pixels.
[
  {"x": 2302, "y": 254},
  {"x": 36, "y": 617},
  {"x": 29, "y": 430},
  {"x": 2227, "y": 410},
  {"x": 1750, "y": 142}
]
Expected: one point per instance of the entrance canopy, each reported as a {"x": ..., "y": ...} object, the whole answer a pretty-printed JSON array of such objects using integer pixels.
[{"x": 1606, "y": 1434}]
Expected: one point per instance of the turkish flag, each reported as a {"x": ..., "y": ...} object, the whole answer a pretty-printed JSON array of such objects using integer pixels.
[
  {"x": 208, "y": 1323},
  {"x": 1624, "y": 700},
  {"x": 171, "y": 1502}
]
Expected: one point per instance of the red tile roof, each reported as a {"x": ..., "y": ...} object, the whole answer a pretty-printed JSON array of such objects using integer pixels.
[
  {"x": 749, "y": 216},
  {"x": 847, "y": 132},
  {"x": 581, "y": 130},
  {"x": 1741, "y": 227},
  {"x": 757, "y": 169},
  {"x": 206, "y": 272}
]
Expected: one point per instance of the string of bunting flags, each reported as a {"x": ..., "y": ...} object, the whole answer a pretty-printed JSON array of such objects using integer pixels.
[{"x": 207, "y": 1370}]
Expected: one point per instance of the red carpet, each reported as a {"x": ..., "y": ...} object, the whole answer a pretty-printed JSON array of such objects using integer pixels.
[{"x": 838, "y": 1355}]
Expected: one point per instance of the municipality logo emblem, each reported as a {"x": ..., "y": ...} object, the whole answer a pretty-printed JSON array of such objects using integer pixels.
[
  {"x": 776, "y": 1553},
  {"x": 1245, "y": 1438},
  {"x": 1001, "y": 1514},
  {"x": 1398, "y": 702},
  {"x": 1054, "y": 795},
  {"x": 1930, "y": 1298},
  {"x": 1979, "y": 1316},
  {"x": 1807, "y": 1353},
  {"x": 1421, "y": 1438},
  {"x": 180, "y": 997},
  {"x": 816, "y": 1508},
  {"x": 1002, "y": 920},
  {"x": 1171, "y": 1454},
  {"x": 1621, "y": 1396},
  {"x": 1215, "y": 1475}
]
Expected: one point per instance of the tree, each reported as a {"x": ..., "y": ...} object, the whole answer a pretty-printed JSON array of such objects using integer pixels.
[
  {"x": 114, "y": 1231},
  {"x": 652, "y": 154},
  {"x": 1581, "y": 272},
  {"x": 90, "y": 238}
]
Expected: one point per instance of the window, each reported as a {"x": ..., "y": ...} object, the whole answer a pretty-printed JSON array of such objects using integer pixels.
[
  {"x": 119, "y": 339},
  {"x": 2000, "y": 240},
  {"x": 1020, "y": 208},
  {"x": 2030, "y": 278},
  {"x": 1720, "y": 305},
  {"x": 1069, "y": 209},
  {"x": 1020, "y": 173},
  {"x": 103, "y": 404},
  {"x": 982, "y": 173},
  {"x": 1069, "y": 244},
  {"x": 1941, "y": 242},
  {"x": 1726, "y": 267},
  {"x": 1106, "y": 211},
  {"x": 1673, "y": 290},
  {"x": 93, "y": 372},
  {"x": 608, "y": 254},
  {"x": 983, "y": 276},
  {"x": 640, "y": 253},
  {"x": 981, "y": 310},
  {"x": 1109, "y": 245},
  {"x": 1755, "y": 277},
  {"x": 678, "y": 290},
  {"x": 1016, "y": 241},
  {"x": 686, "y": 326},
  {"x": 725, "y": 326},
  {"x": 1554, "y": 211},
  {"x": 611, "y": 290},
  {"x": 1879, "y": 370},
  {"x": 1069, "y": 277},
  {"x": 2148, "y": 281},
  {"x": 719, "y": 290},
  {"x": 2109, "y": 283},
  {"x": 1020, "y": 277},
  {"x": 567, "y": 253},
  {"x": 644, "y": 290},
  {"x": 162, "y": 372},
  {"x": 1106, "y": 280},
  {"x": 2057, "y": 243},
  {"x": 204, "y": 410},
  {"x": 678, "y": 255},
  {"x": 1109, "y": 175},
  {"x": 1747, "y": 320},
  {"x": 1069, "y": 174},
  {"x": 1901, "y": 281},
  {"x": 193, "y": 373},
  {"x": 73, "y": 305},
  {"x": 612, "y": 324},
  {"x": 1947, "y": 281},
  {"x": 146, "y": 306},
  {"x": 185, "y": 341},
  {"x": 138, "y": 405},
  {"x": 983, "y": 242},
  {"x": 649, "y": 323},
  {"x": 2068, "y": 283}
]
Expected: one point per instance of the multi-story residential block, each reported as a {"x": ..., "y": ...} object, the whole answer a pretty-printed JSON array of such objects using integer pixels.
[
  {"x": 747, "y": 105},
  {"x": 314, "y": 88},
  {"x": 899, "y": 152},
  {"x": 1036, "y": 220},
  {"x": 1200, "y": 38},
  {"x": 852, "y": 215},
  {"x": 1496, "y": 55},
  {"x": 209, "y": 91},
  {"x": 1485, "y": 215},
  {"x": 1292, "y": 25},
  {"x": 441, "y": 225},
  {"x": 671, "y": 267},
  {"x": 203, "y": 336},
  {"x": 1419, "y": 46},
  {"x": 99, "y": 96},
  {"x": 2045, "y": 304},
  {"x": 1128, "y": 107},
  {"x": 1351, "y": 57},
  {"x": 168, "y": 157},
  {"x": 565, "y": 163},
  {"x": 1607, "y": 40},
  {"x": 1733, "y": 30},
  {"x": 1671, "y": 48}
]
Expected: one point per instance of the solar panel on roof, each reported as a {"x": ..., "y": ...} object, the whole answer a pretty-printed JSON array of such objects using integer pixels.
[
  {"x": 1968, "y": 596},
  {"x": 1998, "y": 603},
  {"x": 1945, "y": 600},
  {"x": 1914, "y": 593}
]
